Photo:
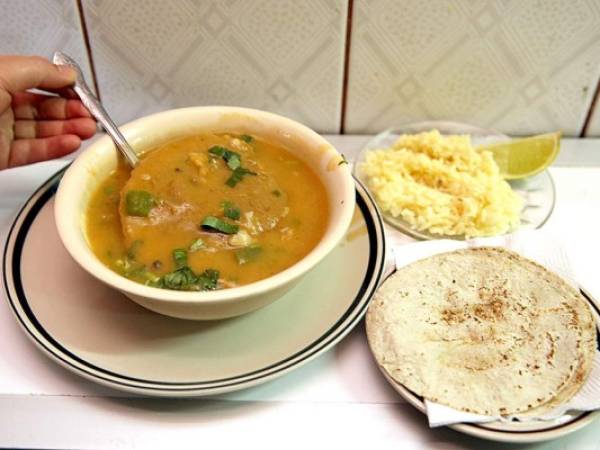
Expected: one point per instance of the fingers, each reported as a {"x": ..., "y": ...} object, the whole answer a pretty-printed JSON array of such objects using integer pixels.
[
  {"x": 60, "y": 108},
  {"x": 64, "y": 92},
  {"x": 31, "y": 129},
  {"x": 28, "y": 151},
  {"x": 64, "y": 122},
  {"x": 20, "y": 73},
  {"x": 27, "y": 105}
]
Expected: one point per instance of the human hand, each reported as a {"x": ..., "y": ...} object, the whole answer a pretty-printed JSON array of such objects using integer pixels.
[{"x": 37, "y": 127}]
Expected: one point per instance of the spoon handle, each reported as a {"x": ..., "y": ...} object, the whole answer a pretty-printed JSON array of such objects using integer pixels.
[{"x": 97, "y": 110}]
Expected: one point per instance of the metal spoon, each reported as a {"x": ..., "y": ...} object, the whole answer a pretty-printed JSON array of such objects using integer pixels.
[{"x": 96, "y": 109}]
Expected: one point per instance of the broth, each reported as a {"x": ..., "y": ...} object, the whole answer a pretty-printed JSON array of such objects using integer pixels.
[{"x": 207, "y": 212}]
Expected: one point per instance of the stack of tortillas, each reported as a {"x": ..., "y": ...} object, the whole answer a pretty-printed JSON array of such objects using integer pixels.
[{"x": 483, "y": 330}]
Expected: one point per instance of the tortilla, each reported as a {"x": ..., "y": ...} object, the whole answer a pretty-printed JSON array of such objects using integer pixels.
[
  {"x": 583, "y": 367},
  {"x": 482, "y": 330}
]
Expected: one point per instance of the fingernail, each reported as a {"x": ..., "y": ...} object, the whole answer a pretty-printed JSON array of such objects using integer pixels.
[{"x": 69, "y": 72}]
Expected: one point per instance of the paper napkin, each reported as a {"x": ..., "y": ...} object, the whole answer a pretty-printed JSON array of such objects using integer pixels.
[{"x": 537, "y": 246}]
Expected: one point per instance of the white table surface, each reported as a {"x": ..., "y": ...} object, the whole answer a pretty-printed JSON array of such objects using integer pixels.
[{"x": 338, "y": 399}]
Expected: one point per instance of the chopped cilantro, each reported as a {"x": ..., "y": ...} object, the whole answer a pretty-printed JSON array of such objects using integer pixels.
[
  {"x": 184, "y": 279},
  {"x": 181, "y": 279},
  {"x": 233, "y": 159},
  {"x": 180, "y": 258},
  {"x": 234, "y": 162},
  {"x": 237, "y": 176},
  {"x": 208, "y": 280},
  {"x": 133, "y": 249}
]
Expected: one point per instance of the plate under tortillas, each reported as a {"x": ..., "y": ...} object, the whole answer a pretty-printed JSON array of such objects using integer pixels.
[{"x": 482, "y": 330}]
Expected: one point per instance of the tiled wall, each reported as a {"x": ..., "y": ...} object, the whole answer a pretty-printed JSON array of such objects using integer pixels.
[
  {"x": 285, "y": 56},
  {"x": 520, "y": 66}
]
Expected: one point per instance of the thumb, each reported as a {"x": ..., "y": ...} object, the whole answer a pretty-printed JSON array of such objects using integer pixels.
[{"x": 19, "y": 73}]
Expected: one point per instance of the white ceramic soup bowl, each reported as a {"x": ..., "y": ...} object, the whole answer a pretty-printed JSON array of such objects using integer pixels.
[{"x": 95, "y": 163}]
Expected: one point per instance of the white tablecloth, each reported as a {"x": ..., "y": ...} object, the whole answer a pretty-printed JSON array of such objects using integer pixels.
[{"x": 338, "y": 399}]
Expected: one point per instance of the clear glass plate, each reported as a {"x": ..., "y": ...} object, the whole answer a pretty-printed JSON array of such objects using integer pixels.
[{"x": 538, "y": 191}]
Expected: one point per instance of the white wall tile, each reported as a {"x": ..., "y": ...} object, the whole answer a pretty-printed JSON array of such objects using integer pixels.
[
  {"x": 41, "y": 27},
  {"x": 518, "y": 66},
  {"x": 285, "y": 56}
]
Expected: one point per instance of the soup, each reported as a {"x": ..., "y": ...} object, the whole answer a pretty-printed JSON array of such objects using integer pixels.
[{"x": 207, "y": 212}]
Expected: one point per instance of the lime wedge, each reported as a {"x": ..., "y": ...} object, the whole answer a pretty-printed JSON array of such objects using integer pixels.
[{"x": 521, "y": 158}]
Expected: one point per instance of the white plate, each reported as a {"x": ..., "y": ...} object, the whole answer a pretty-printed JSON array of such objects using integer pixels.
[{"x": 97, "y": 333}]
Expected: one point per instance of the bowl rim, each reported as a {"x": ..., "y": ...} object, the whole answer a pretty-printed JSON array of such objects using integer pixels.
[{"x": 73, "y": 240}]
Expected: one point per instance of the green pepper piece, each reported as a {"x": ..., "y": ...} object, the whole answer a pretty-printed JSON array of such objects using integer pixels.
[
  {"x": 219, "y": 225},
  {"x": 139, "y": 203},
  {"x": 231, "y": 211},
  {"x": 248, "y": 254}
]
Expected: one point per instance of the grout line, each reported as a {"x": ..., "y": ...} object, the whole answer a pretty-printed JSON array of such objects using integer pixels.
[
  {"x": 590, "y": 112},
  {"x": 88, "y": 47},
  {"x": 346, "y": 66}
]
